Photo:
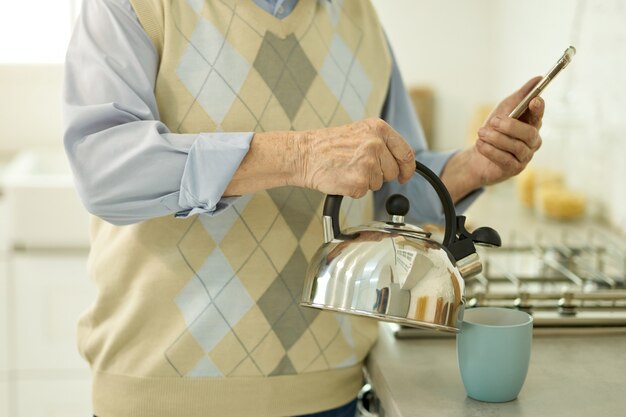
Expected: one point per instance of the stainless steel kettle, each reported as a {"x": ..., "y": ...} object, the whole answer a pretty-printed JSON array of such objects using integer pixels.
[{"x": 394, "y": 271}]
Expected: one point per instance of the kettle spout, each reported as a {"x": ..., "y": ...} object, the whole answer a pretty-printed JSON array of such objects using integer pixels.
[
  {"x": 463, "y": 250},
  {"x": 469, "y": 265}
]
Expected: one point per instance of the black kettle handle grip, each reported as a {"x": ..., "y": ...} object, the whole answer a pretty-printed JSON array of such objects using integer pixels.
[{"x": 332, "y": 204}]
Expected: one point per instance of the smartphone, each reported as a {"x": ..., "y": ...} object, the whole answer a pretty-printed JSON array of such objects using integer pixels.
[{"x": 543, "y": 83}]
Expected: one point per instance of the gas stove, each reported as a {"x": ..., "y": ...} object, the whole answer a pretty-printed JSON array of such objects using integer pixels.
[{"x": 570, "y": 284}]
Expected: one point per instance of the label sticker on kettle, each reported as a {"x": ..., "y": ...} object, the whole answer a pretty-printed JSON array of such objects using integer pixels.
[{"x": 405, "y": 259}]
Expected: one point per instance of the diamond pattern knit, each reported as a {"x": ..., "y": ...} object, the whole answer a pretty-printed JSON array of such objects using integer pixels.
[{"x": 216, "y": 298}]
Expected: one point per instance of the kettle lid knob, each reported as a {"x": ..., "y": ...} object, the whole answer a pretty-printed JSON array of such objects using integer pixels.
[{"x": 397, "y": 205}]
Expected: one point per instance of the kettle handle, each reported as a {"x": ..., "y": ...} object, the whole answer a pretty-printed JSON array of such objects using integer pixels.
[{"x": 332, "y": 204}]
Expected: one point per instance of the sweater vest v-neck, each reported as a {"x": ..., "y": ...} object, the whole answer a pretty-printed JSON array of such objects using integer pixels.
[{"x": 198, "y": 317}]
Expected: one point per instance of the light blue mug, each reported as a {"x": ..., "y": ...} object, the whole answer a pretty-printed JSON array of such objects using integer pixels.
[{"x": 493, "y": 349}]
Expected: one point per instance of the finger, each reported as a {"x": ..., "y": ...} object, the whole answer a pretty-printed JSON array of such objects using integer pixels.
[
  {"x": 519, "y": 149},
  {"x": 401, "y": 151},
  {"x": 534, "y": 114},
  {"x": 376, "y": 179},
  {"x": 389, "y": 166},
  {"x": 516, "y": 129},
  {"x": 504, "y": 160},
  {"x": 356, "y": 186}
]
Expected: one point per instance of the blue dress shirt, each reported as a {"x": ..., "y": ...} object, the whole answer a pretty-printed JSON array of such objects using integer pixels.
[{"x": 129, "y": 167}]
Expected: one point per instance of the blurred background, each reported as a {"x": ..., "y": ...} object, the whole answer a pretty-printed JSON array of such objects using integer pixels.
[{"x": 458, "y": 59}]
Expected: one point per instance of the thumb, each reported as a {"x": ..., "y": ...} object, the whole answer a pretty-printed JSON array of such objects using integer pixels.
[{"x": 534, "y": 115}]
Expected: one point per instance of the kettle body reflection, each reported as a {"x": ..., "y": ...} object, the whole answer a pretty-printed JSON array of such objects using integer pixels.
[{"x": 394, "y": 271}]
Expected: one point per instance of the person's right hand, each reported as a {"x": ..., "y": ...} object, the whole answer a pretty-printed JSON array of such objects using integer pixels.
[{"x": 351, "y": 159}]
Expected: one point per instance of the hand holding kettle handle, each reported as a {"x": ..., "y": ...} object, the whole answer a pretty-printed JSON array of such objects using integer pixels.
[{"x": 458, "y": 247}]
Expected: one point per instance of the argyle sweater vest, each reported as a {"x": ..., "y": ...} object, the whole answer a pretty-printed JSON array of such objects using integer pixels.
[{"x": 199, "y": 317}]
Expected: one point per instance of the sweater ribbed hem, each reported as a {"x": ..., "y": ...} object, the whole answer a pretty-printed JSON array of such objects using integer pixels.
[{"x": 288, "y": 395}]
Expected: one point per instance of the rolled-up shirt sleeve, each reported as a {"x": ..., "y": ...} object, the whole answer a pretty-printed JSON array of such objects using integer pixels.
[
  {"x": 128, "y": 166},
  {"x": 425, "y": 205}
]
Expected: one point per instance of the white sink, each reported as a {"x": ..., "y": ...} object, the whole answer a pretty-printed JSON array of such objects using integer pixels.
[{"x": 42, "y": 205}]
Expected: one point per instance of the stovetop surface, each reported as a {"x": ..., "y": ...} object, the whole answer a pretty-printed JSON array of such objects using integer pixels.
[
  {"x": 556, "y": 275},
  {"x": 569, "y": 286}
]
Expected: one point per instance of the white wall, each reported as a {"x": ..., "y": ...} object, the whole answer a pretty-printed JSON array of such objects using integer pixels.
[
  {"x": 445, "y": 44},
  {"x": 30, "y": 103},
  {"x": 473, "y": 52},
  {"x": 32, "y": 50},
  {"x": 528, "y": 37},
  {"x": 479, "y": 51}
]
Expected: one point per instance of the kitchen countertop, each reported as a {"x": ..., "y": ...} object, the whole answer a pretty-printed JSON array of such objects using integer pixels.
[{"x": 568, "y": 376}]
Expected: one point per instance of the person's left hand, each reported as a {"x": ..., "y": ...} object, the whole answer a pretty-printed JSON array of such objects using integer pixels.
[
  {"x": 503, "y": 148},
  {"x": 505, "y": 145}
]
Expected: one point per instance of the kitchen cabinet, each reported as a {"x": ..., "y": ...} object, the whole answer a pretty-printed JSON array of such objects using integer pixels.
[
  {"x": 3, "y": 316},
  {"x": 51, "y": 292},
  {"x": 48, "y": 291},
  {"x": 4, "y": 376},
  {"x": 4, "y": 292},
  {"x": 61, "y": 398},
  {"x": 4, "y": 396},
  {"x": 34, "y": 176}
]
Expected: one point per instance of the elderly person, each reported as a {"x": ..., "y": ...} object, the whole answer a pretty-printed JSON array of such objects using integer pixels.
[{"x": 203, "y": 135}]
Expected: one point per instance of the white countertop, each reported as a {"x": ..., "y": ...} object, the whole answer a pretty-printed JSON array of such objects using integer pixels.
[{"x": 568, "y": 376}]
